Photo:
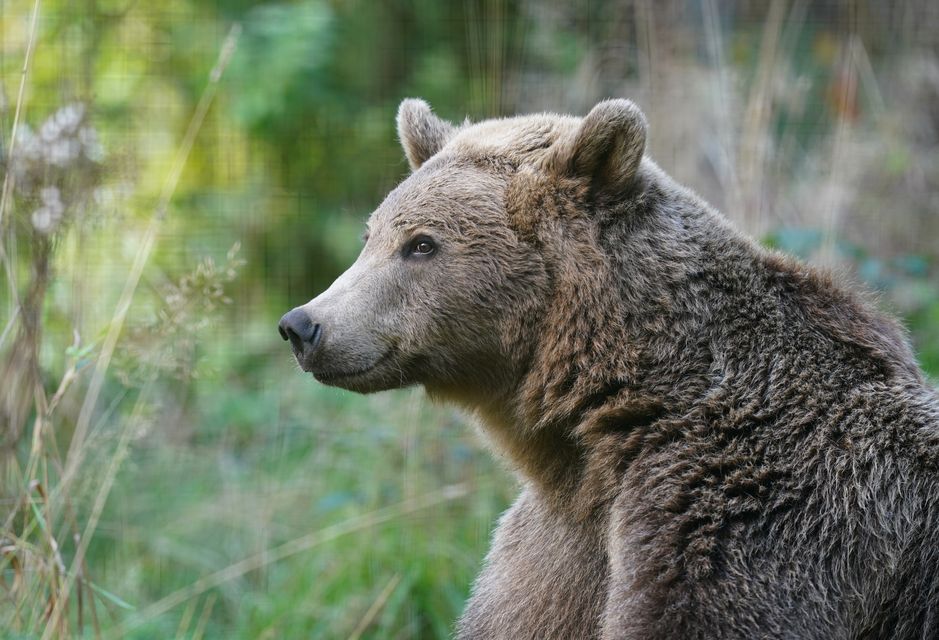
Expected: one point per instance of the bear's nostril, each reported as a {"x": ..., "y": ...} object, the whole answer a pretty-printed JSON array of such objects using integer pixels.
[
  {"x": 297, "y": 327},
  {"x": 315, "y": 337},
  {"x": 295, "y": 341}
]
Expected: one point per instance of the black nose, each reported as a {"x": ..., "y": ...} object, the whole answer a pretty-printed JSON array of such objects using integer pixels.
[{"x": 299, "y": 328}]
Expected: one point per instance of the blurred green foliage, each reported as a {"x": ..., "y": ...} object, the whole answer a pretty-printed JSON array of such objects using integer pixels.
[{"x": 234, "y": 452}]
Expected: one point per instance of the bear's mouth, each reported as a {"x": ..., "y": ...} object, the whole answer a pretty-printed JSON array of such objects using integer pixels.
[{"x": 332, "y": 377}]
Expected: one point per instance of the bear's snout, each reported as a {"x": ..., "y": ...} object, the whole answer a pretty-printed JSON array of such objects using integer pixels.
[{"x": 304, "y": 334}]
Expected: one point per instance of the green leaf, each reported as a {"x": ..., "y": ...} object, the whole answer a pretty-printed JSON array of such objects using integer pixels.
[{"x": 104, "y": 593}]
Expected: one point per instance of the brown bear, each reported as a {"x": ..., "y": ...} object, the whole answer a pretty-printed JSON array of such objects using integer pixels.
[{"x": 713, "y": 440}]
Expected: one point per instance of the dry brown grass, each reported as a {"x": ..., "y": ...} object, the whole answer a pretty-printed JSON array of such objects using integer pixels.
[{"x": 50, "y": 592}]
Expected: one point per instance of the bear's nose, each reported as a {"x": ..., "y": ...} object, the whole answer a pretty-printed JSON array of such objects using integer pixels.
[{"x": 299, "y": 328}]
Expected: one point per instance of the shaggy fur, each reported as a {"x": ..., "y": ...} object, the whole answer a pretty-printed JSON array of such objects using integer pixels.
[{"x": 714, "y": 440}]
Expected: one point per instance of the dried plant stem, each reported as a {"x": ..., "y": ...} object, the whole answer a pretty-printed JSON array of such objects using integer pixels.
[
  {"x": 868, "y": 78},
  {"x": 376, "y": 607},
  {"x": 14, "y": 398},
  {"x": 833, "y": 204},
  {"x": 186, "y": 620},
  {"x": 11, "y": 321},
  {"x": 8, "y": 175},
  {"x": 24, "y": 73},
  {"x": 76, "y": 448},
  {"x": 75, "y": 451},
  {"x": 728, "y": 173},
  {"x": 116, "y": 459},
  {"x": 753, "y": 144},
  {"x": 647, "y": 51},
  {"x": 204, "y": 617}
]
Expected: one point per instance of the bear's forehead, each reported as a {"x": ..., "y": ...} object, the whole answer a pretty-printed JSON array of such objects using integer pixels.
[
  {"x": 447, "y": 187},
  {"x": 440, "y": 193},
  {"x": 519, "y": 139}
]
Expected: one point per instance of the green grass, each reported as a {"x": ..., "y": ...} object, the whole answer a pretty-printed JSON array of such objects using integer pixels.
[{"x": 265, "y": 456}]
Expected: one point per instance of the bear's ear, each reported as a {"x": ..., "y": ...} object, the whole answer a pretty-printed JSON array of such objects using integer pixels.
[
  {"x": 607, "y": 148},
  {"x": 422, "y": 134}
]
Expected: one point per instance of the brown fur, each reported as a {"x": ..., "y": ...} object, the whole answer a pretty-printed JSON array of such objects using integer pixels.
[{"x": 713, "y": 440}]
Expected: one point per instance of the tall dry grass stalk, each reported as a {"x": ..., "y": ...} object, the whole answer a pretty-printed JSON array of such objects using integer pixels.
[
  {"x": 44, "y": 538},
  {"x": 15, "y": 399}
]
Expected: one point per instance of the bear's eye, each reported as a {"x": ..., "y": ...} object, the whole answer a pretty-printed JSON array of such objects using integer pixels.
[{"x": 421, "y": 247}]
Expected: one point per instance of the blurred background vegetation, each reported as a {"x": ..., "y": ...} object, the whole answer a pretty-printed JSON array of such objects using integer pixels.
[{"x": 183, "y": 172}]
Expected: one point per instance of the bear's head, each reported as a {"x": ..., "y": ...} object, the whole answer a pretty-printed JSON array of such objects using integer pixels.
[{"x": 463, "y": 259}]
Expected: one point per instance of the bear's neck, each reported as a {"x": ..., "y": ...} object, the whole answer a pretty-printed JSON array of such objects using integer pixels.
[{"x": 624, "y": 343}]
